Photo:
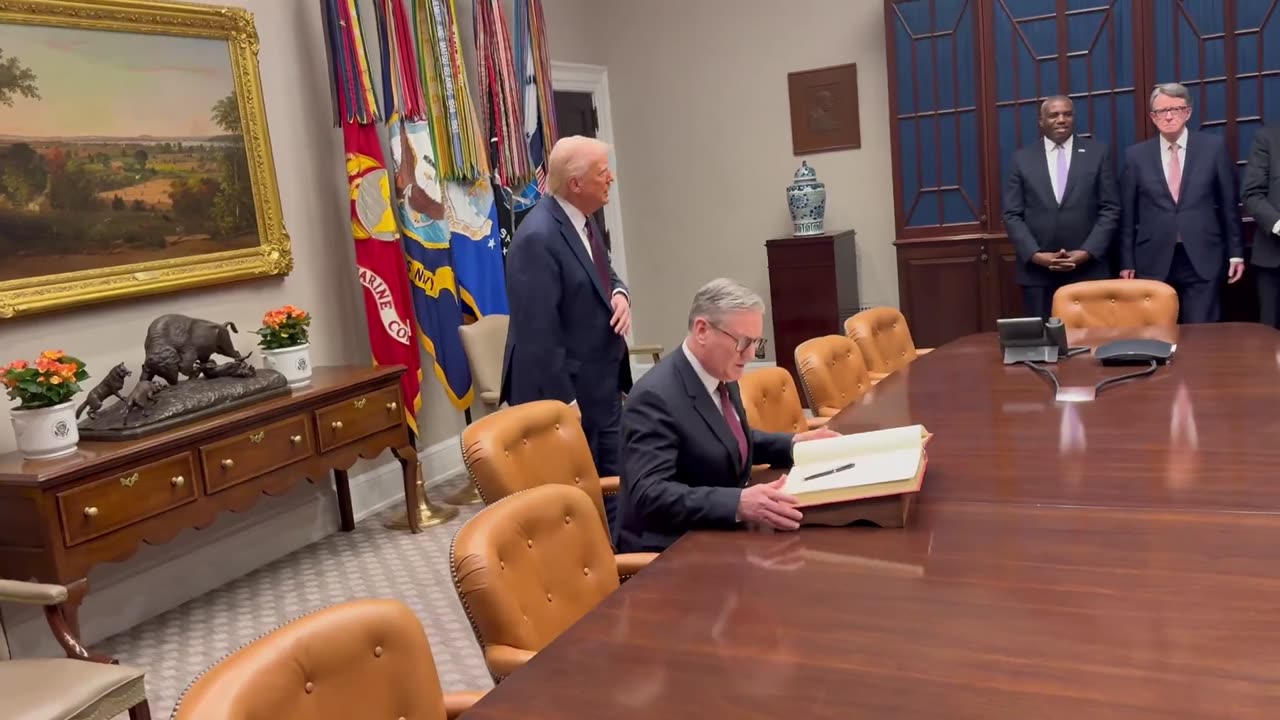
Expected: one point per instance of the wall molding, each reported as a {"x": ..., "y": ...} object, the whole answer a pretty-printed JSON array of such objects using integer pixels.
[{"x": 158, "y": 579}]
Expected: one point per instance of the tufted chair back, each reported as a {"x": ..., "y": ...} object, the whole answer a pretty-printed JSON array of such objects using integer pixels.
[
  {"x": 1116, "y": 304},
  {"x": 883, "y": 338},
  {"x": 527, "y": 445},
  {"x": 771, "y": 400},
  {"x": 833, "y": 373},
  {"x": 361, "y": 659},
  {"x": 484, "y": 341},
  {"x": 529, "y": 566}
]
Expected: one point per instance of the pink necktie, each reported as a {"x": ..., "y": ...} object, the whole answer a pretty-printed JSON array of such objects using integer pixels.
[
  {"x": 735, "y": 423},
  {"x": 1175, "y": 172}
]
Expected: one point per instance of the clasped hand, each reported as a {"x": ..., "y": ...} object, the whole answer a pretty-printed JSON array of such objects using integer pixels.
[{"x": 1061, "y": 261}]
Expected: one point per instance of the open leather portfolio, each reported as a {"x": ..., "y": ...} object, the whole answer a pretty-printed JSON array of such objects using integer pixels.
[{"x": 856, "y": 467}]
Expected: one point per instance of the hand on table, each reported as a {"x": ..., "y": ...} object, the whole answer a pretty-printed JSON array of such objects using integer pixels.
[{"x": 766, "y": 504}]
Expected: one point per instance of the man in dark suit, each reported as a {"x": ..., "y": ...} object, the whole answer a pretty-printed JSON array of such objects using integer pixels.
[
  {"x": 687, "y": 447},
  {"x": 1261, "y": 194},
  {"x": 1061, "y": 208},
  {"x": 1179, "y": 222},
  {"x": 569, "y": 310}
]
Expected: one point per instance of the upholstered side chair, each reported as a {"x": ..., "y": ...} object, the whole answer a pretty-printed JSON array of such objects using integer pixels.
[
  {"x": 1116, "y": 304},
  {"x": 832, "y": 373},
  {"x": 773, "y": 403},
  {"x": 884, "y": 340}
]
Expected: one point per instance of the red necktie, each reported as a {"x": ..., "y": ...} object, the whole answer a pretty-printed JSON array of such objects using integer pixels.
[
  {"x": 735, "y": 423},
  {"x": 599, "y": 257}
]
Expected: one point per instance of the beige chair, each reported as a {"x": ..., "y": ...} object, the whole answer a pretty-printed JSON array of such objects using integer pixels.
[
  {"x": 1116, "y": 304},
  {"x": 485, "y": 342},
  {"x": 529, "y": 566},
  {"x": 884, "y": 340},
  {"x": 773, "y": 403},
  {"x": 832, "y": 372},
  {"x": 79, "y": 687},
  {"x": 359, "y": 659}
]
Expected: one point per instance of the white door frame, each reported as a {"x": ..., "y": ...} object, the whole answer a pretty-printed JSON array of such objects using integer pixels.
[{"x": 594, "y": 79}]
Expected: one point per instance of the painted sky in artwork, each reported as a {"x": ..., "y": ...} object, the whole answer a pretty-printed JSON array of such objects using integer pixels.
[{"x": 96, "y": 82}]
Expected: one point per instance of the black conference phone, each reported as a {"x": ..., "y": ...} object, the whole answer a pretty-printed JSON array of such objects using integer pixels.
[{"x": 1032, "y": 340}]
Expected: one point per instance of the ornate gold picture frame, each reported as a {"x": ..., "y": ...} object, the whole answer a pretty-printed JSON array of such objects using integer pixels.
[{"x": 134, "y": 153}]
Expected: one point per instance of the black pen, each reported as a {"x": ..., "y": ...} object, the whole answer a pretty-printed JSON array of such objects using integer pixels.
[{"x": 832, "y": 471}]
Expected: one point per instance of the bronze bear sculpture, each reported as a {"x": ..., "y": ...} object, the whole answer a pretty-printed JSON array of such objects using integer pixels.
[{"x": 177, "y": 344}]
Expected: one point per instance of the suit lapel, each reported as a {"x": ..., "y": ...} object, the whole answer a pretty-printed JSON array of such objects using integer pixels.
[
  {"x": 1078, "y": 158},
  {"x": 1041, "y": 176},
  {"x": 1192, "y": 156},
  {"x": 576, "y": 246},
  {"x": 709, "y": 409},
  {"x": 1157, "y": 157}
]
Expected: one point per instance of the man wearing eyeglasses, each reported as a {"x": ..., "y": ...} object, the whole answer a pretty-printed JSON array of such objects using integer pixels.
[
  {"x": 1261, "y": 193},
  {"x": 1179, "y": 223},
  {"x": 687, "y": 449}
]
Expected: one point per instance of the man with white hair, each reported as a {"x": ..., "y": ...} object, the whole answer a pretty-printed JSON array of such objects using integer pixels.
[
  {"x": 687, "y": 448},
  {"x": 570, "y": 312}
]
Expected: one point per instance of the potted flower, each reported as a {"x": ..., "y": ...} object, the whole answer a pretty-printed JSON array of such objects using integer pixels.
[
  {"x": 285, "y": 345},
  {"x": 44, "y": 422}
]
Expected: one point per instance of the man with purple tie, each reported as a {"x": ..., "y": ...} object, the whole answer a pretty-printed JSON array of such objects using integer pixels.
[
  {"x": 687, "y": 449},
  {"x": 1180, "y": 224},
  {"x": 1061, "y": 208}
]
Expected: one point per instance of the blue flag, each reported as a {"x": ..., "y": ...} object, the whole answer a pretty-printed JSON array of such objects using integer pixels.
[
  {"x": 420, "y": 209},
  {"x": 477, "y": 247}
]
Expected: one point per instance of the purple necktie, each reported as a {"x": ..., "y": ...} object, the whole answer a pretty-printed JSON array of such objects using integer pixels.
[
  {"x": 1062, "y": 173},
  {"x": 599, "y": 256},
  {"x": 735, "y": 423}
]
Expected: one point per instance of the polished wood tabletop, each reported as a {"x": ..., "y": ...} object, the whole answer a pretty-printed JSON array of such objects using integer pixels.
[{"x": 1112, "y": 559}]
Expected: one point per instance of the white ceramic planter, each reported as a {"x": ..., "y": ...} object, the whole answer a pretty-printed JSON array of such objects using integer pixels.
[
  {"x": 294, "y": 363},
  {"x": 46, "y": 433}
]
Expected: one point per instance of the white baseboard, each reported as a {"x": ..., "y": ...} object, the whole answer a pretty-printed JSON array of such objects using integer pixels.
[{"x": 160, "y": 578}]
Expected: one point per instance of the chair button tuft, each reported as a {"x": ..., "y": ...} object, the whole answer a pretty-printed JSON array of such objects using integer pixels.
[
  {"x": 577, "y": 481},
  {"x": 309, "y": 687},
  {"x": 502, "y": 565},
  {"x": 586, "y": 571},
  {"x": 566, "y": 519},
  {"x": 557, "y": 426},
  {"x": 377, "y": 651},
  {"x": 530, "y": 542},
  {"x": 548, "y": 597}
]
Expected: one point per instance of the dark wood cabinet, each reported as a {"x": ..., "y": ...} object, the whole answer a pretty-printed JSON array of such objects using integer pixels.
[
  {"x": 813, "y": 288},
  {"x": 953, "y": 287}
]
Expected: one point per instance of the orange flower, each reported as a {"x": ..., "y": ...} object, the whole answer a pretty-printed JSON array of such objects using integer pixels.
[
  {"x": 16, "y": 365},
  {"x": 55, "y": 380},
  {"x": 44, "y": 364},
  {"x": 53, "y": 354}
]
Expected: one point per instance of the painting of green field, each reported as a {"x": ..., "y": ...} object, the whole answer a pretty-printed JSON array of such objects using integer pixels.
[{"x": 117, "y": 148}]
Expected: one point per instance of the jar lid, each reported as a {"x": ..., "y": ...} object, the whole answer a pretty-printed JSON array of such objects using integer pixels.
[{"x": 805, "y": 172}]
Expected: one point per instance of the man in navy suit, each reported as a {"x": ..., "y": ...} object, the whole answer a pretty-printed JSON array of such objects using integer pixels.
[
  {"x": 687, "y": 446},
  {"x": 1061, "y": 208},
  {"x": 1261, "y": 195},
  {"x": 1180, "y": 223},
  {"x": 569, "y": 310}
]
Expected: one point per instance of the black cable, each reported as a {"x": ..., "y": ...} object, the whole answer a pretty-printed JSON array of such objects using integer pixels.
[
  {"x": 1076, "y": 351},
  {"x": 1122, "y": 378},
  {"x": 1045, "y": 372}
]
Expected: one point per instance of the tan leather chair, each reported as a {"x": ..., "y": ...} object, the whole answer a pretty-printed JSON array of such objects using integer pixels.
[
  {"x": 773, "y": 403},
  {"x": 832, "y": 372},
  {"x": 529, "y": 566},
  {"x": 485, "y": 342},
  {"x": 79, "y": 687},
  {"x": 531, "y": 444},
  {"x": 884, "y": 339},
  {"x": 1116, "y": 303},
  {"x": 360, "y": 659}
]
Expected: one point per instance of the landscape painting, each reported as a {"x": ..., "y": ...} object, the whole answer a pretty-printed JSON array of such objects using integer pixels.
[{"x": 123, "y": 157}]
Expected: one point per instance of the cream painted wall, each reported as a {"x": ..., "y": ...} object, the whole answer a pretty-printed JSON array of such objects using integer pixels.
[{"x": 703, "y": 141}]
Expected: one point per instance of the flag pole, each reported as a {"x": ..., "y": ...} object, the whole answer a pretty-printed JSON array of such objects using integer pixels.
[{"x": 427, "y": 514}]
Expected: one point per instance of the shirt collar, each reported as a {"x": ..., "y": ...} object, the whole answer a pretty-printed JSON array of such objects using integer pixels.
[
  {"x": 1182, "y": 140},
  {"x": 575, "y": 215},
  {"x": 708, "y": 382},
  {"x": 1049, "y": 145}
]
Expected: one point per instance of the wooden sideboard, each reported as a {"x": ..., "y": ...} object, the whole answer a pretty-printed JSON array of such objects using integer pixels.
[
  {"x": 59, "y": 518},
  {"x": 813, "y": 288}
]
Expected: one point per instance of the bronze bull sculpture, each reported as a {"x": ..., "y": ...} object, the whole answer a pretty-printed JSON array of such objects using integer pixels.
[{"x": 177, "y": 344}]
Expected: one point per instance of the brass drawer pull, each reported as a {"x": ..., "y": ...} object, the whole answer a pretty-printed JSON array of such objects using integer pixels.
[
  {"x": 393, "y": 406},
  {"x": 178, "y": 481},
  {"x": 296, "y": 439},
  {"x": 360, "y": 403},
  {"x": 336, "y": 424},
  {"x": 91, "y": 512},
  {"x": 257, "y": 437},
  {"x": 228, "y": 464},
  {"x": 129, "y": 481}
]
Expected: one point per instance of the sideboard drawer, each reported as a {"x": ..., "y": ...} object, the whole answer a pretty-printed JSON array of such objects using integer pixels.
[
  {"x": 258, "y": 451},
  {"x": 117, "y": 500},
  {"x": 349, "y": 420}
]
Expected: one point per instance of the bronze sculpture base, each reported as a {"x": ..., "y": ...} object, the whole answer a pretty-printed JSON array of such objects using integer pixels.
[{"x": 180, "y": 404}]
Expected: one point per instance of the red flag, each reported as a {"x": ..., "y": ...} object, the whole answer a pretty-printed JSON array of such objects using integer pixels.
[{"x": 380, "y": 261}]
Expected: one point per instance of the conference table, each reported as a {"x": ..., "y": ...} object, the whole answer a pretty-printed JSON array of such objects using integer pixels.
[{"x": 1118, "y": 558}]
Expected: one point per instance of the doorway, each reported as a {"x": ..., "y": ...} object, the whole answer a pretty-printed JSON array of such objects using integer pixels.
[{"x": 576, "y": 115}]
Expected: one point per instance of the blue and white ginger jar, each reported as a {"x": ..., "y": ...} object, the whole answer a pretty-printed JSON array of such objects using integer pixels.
[{"x": 807, "y": 199}]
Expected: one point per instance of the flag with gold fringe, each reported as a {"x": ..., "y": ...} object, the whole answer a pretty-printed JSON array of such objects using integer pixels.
[
  {"x": 420, "y": 205},
  {"x": 533, "y": 71},
  {"x": 380, "y": 259}
]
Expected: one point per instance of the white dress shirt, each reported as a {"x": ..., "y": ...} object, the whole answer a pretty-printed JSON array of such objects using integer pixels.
[
  {"x": 1051, "y": 156},
  {"x": 579, "y": 221},
  {"x": 1166, "y": 155}
]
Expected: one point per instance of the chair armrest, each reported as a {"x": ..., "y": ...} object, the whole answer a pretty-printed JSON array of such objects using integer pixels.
[
  {"x": 924, "y": 351},
  {"x": 29, "y": 593},
  {"x": 877, "y": 377},
  {"x": 502, "y": 660},
  {"x": 631, "y": 563},
  {"x": 610, "y": 484},
  {"x": 459, "y": 702},
  {"x": 817, "y": 422}
]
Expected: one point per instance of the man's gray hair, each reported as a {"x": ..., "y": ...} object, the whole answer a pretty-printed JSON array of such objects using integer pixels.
[
  {"x": 720, "y": 297},
  {"x": 1054, "y": 98},
  {"x": 1173, "y": 90}
]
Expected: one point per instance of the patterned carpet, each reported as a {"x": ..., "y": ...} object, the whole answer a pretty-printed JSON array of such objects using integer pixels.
[{"x": 372, "y": 561}]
